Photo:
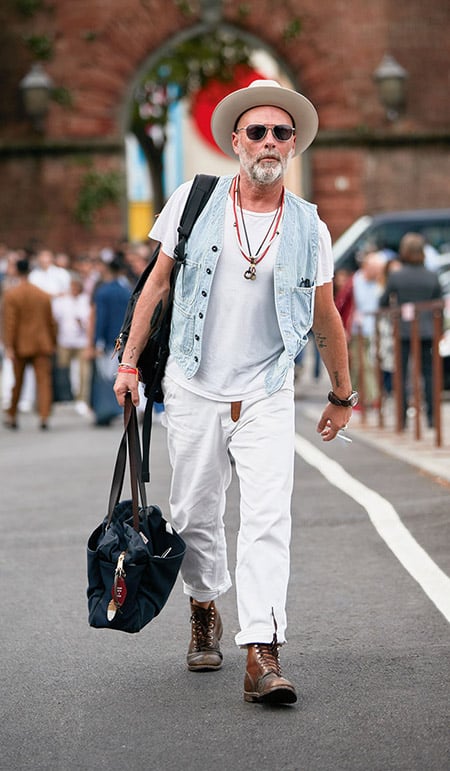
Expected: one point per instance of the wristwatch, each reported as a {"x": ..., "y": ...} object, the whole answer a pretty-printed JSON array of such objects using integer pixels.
[{"x": 351, "y": 400}]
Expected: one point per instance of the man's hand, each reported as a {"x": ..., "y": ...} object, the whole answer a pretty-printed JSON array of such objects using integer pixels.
[
  {"x": 126, "y": 383},
  {"x": 152, "y": 302},
  {"x": 333, "y": 420}
]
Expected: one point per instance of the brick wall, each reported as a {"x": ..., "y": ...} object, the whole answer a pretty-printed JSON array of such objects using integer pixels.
[
  {"x": 348, "y": 183},
  {"x": 43, "y": 191},
  {"x": 360, "y": 162}
]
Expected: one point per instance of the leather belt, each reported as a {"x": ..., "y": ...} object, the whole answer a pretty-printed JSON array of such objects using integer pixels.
[{"x": 235, "y": 411}]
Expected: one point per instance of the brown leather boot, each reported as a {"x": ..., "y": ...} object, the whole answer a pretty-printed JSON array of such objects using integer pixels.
[
  {"x": 264, "y": 682},
  {"x": 204, "y": 650}
]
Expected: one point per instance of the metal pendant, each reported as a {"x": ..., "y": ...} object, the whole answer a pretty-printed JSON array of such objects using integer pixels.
[{"x": 250, "y": 273}]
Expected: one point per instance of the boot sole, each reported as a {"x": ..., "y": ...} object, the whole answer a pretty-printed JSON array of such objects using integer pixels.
[
  {"x": 204, "y": 668},
  {"x": 277, "y": 696}
]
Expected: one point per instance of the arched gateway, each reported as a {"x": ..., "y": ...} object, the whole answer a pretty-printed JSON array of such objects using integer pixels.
[{"x": 95, "y": 52}]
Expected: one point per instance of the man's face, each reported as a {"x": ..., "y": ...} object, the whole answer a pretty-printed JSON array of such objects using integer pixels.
[
  {"x": 264, "y": 161},
  {"x": 45, "y": 259}
]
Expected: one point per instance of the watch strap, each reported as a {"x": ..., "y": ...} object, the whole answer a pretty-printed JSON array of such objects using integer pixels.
[{"x": 348, "y": 402}]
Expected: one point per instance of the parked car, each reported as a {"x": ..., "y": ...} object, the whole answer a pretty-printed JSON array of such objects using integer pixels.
[{"x": 385, "y": 231}]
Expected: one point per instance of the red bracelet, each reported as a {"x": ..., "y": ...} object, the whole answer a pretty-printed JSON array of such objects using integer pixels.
[{"x": 128, "y": 371}]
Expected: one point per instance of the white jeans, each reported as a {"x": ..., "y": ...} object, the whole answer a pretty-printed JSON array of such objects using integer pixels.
[{"x": 200, "y": 433}]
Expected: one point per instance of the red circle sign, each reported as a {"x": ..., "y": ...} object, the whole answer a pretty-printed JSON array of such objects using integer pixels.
[{"x": 204, "y": 101}]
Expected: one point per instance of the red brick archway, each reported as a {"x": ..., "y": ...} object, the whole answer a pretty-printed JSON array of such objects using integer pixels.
[{"x": 359, "y": 161}]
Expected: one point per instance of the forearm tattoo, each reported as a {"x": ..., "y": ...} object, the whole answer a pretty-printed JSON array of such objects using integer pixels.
[
  {"x": 131, "y": 354},
  {"x": 337, "y": 379},
  {"x": 321, "y": 340}
]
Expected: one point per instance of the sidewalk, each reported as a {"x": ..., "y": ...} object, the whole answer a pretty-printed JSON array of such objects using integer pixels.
[{"x": 421, "y": 453}]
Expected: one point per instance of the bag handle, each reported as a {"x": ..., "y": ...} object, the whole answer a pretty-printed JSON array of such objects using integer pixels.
[{"x": 130, "y": 440}]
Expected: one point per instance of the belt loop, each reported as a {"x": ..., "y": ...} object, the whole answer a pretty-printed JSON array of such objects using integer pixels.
[{"x": 235, "y": 411}]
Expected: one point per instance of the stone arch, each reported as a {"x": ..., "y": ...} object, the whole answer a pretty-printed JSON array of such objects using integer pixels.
[
  {"x": 300, "y": 172},
  {"x": 359, "y": 162},
  {"x": 254, "y": 41}
]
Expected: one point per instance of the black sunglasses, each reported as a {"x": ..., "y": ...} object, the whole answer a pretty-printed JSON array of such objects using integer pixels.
[{"x": 258, "y": 131}]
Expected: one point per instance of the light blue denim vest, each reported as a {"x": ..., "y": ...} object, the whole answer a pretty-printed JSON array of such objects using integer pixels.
[{"x": 294, "y": 282}]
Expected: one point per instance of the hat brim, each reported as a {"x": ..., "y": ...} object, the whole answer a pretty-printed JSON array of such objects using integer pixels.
[{"x": 228, "y": 110}]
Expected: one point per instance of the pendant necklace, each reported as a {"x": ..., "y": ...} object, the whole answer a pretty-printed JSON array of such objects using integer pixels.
[{"x": 250, "y": 273}]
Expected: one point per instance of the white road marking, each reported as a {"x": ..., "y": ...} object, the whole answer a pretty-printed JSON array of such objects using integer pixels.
[{"x": 434, "y": 582}]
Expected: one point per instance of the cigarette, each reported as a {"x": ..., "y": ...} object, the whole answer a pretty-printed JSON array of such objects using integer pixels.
[{"x": 344, "y": 438}]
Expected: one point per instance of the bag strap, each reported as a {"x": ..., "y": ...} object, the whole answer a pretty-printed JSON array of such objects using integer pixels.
[
  {"x": 201, "y": 189},
  {"x": 130, "y": 440},
  {"x": 134, "y": 457},
  {"x": 199, "y": 194}
]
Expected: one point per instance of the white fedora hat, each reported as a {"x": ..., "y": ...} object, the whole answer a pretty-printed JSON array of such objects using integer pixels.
[{"x": 258, "y": 94}]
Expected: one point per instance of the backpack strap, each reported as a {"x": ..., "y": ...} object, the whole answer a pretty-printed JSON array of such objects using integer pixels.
[{"x": 201, "y": 189}]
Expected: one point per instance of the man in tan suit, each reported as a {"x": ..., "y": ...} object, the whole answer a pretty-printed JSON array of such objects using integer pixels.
[{"x": 29, "y": 332}]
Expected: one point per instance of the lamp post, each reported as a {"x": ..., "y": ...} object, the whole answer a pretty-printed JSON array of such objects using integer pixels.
[
  {"x": 211, "y": 12},
  {"x": 391, "y": 77},
  {"x": 36, "y": 87}
]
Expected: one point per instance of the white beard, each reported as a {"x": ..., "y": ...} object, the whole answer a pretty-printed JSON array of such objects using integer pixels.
[{"x": 264, "y": 173}]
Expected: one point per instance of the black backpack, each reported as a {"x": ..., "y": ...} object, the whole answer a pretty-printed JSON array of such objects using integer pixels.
[{"x": 153, "y": 358}]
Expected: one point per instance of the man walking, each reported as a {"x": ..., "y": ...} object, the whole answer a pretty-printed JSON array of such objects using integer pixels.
[
  {"x": 257, "y": 277},
  {"x": 29, "y": 331}
]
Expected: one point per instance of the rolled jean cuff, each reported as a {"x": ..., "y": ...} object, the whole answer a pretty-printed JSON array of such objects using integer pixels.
[{"x": 206, "y": 595}]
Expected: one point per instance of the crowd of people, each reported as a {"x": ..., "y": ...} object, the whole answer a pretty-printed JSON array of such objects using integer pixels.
[
  {"x": 88, "y": 295},
  {"x": 60, "y": 319},
  {"x": 389, "y": 280}
]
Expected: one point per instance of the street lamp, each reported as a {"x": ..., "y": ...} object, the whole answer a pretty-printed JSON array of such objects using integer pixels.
[
  {"x": 391, "y": 77},
  {"x": 211, "y": 12},
  {"x": 36, "y": 87}
]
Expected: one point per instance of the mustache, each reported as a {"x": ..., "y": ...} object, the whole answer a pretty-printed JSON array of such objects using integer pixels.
[{"x": 274, "y": 156}]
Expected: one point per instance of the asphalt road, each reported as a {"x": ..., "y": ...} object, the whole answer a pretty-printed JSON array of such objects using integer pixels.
[{"x": 368, "y": 649}]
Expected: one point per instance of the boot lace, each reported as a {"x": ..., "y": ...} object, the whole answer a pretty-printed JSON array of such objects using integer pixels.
[
  {"x": 268, "y": 656},
  {"x": 203, "y": 622}
]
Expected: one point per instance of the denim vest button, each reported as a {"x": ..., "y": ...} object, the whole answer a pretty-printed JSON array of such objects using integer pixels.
[
  {"x": 209, "y": 271},
  {"x": 197, "y": 337},
  {"x": 200, "y": 315},
  {"x": 196, "y": 359},
  {"x": 204, "y": 294},
  {"x": 214, "y": 248}
]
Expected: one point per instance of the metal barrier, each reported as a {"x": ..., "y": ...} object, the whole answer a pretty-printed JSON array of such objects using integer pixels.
[{"x": 395, "y": 315}]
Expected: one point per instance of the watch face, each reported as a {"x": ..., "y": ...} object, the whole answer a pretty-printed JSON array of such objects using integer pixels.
[{"x": 353, "y": 399}]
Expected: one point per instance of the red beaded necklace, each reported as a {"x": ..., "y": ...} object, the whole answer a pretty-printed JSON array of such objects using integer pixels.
[{"x": 250, "y": 273}]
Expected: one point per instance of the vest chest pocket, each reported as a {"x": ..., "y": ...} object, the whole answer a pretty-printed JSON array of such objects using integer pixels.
[
  {"x": 187, "y": 284},
  {"x": 302, "y": 304}
]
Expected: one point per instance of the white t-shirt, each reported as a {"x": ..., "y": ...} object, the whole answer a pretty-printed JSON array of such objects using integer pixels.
[
  {"x": 72, "y": 315},
  {"x": 241, "y": 336},
  {"x": 54, "y": 280}
]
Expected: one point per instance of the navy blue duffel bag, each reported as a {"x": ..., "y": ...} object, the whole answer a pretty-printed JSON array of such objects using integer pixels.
[{"x": 134, "y": 555}]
